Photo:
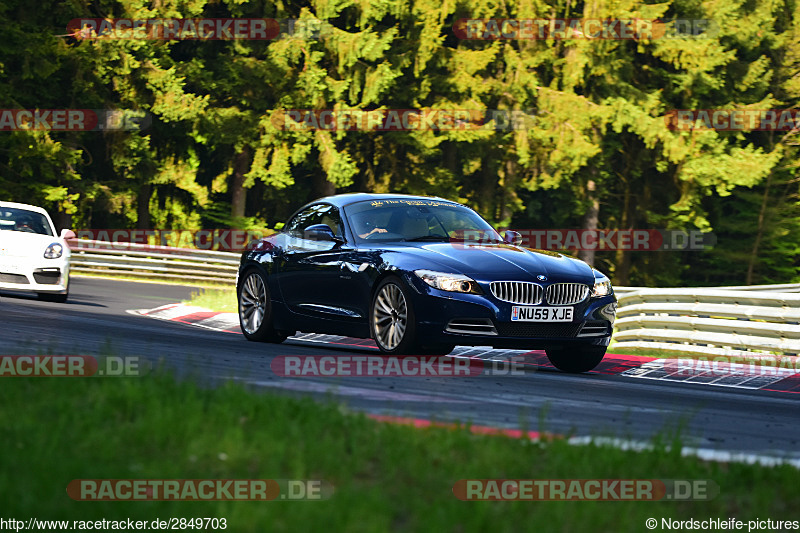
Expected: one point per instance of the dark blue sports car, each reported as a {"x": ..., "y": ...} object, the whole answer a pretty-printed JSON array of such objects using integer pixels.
[{"x": 421, "y": 275}]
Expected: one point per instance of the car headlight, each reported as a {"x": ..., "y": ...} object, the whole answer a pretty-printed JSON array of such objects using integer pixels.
[
  {"x": 54, "y": 251},
  {"x": 602, "y": 286},
  {"x": 448, "y": 282}
]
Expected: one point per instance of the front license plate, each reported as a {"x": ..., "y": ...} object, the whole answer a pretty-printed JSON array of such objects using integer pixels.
[{"x": 541, "y": 314}]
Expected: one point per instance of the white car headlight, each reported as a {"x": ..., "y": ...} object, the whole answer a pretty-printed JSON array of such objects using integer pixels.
[
  {"x": 448, "y": 282},
  {"x": 54, "y": 251},
  {"x": 602, "y": 286}
]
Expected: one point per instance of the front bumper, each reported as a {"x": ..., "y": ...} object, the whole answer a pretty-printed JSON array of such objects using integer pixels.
[
  {"x": 51, "y": 276},
  {"x": 437, "y": 311}
]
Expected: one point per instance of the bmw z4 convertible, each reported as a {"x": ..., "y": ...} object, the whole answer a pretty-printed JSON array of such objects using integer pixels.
[{"x": 408, "y": 272}]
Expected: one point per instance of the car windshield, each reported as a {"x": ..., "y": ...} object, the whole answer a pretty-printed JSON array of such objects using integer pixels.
[
  {"x": 402, "y": 220},
  {"x": 14, "y": 219}
]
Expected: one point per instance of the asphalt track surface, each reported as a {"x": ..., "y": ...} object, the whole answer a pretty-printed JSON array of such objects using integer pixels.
[{"x": 95, "y": 322}]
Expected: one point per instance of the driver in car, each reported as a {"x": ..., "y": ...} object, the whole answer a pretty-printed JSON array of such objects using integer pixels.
[
  {"x": 364, "y": 226},
  {"x": 374, "y": 230},
  {"x": 24, "y": 225}
]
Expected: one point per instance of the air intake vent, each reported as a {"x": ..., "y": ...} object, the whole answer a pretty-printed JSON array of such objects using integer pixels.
[
  {"x": 14, "y": 278},
  {"x": 516, "y": 329},
  {"x": 517, "y": 292},
  {"x": 471, "y": 326},
  {"x": 594, "y": 328},
  {"x": 566, "y": 293},
  {"x": 49, "y": 277}
]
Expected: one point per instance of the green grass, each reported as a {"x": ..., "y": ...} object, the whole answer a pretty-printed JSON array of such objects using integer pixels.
[
  {"x": 223, "y": 300},
  {"x": 386, "y": 477}
]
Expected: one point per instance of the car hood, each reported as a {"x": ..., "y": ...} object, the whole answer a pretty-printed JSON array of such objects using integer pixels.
[
  {"x": 23, "y": 244},
  {"x": 499, "y": 261}
]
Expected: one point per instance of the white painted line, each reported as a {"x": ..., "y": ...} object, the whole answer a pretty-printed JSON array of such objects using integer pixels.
[{"x": 707, "y": 454}]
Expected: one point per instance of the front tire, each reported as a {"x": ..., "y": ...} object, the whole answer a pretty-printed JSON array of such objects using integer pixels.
[
  {"x": 576, "y": 360},
  {"x": 392, "y": 320},
  {"x": 255, "y": 310}
]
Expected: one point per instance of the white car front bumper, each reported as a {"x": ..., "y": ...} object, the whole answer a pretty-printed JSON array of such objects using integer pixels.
[{"x": 42, "y": 275}]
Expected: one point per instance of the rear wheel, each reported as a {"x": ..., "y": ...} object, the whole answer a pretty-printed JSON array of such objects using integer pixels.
[
  {"x": 255, "y": 310},
  {"x": 392, "y": 320},
  {"x": 576, "y": 359}
]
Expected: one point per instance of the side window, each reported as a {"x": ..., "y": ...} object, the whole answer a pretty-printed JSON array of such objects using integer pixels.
[
  {"x": 316, "y": 214},
  {"x": 304, "y": 219},
  {"x": 331, "y": 218}
]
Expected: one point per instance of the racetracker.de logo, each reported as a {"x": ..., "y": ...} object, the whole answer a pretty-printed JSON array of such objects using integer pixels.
[
  {"x": 585, "y": 489},
  {"x": 733, "y": 119},
  {"x": 640, "y": 240},
  {"x": 161, "y": 240},
  {"x": 203, "y": 29},
  {"x": 198, "y": 489},
  {"x": 378, "y": 366},
  {"x": 402, "y": 119},
  {"x": 583, "y": 29},
  {"x": 73, "y": 120},
  {"x": 72, "y": 366}
]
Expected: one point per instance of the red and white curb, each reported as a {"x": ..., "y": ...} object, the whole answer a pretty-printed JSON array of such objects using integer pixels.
[{"x": 781, "y": 375}]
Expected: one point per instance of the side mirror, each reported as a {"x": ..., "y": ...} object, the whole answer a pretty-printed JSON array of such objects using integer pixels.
[
  {"x": 512, "y": 237},
  {"x": 320, "y": 232},
  {"x": 68, "y": 234}
]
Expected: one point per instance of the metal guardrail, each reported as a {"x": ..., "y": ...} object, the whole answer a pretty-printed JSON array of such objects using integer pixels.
[
  {"x": 784, "y": 288},
  {"x": 709, "y": 321},
  {"x": 153, "y": 262}
]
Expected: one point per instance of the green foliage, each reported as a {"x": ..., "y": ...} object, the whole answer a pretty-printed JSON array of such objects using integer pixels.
[{"x": 597, "y": 112}]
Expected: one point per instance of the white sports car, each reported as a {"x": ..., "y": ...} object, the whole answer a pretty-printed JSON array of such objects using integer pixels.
[{"x": 32, "y": 256}]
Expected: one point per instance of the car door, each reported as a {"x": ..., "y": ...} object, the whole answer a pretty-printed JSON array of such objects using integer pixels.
[{"x": 310, "y": 276}]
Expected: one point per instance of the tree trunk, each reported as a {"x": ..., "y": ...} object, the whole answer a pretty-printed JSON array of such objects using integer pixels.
[
  {"x": 751, "y": 263},
  {"x": 507, "y": 192},
  {"x": 591, "y": 217},
  {"x": 143, "y": 220},
  {"x": 63, "y": 221},
  {"x": 623, "y": 257},
  {"x": 321, "y": 187},
  {"x": 241, "y": 165},
  {"x": 487, "y": 188}
]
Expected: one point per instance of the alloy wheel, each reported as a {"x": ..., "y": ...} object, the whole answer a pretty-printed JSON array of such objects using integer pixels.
[
  {"x": 390, "y": 316},
  {"x": 253, "y": 304}
]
